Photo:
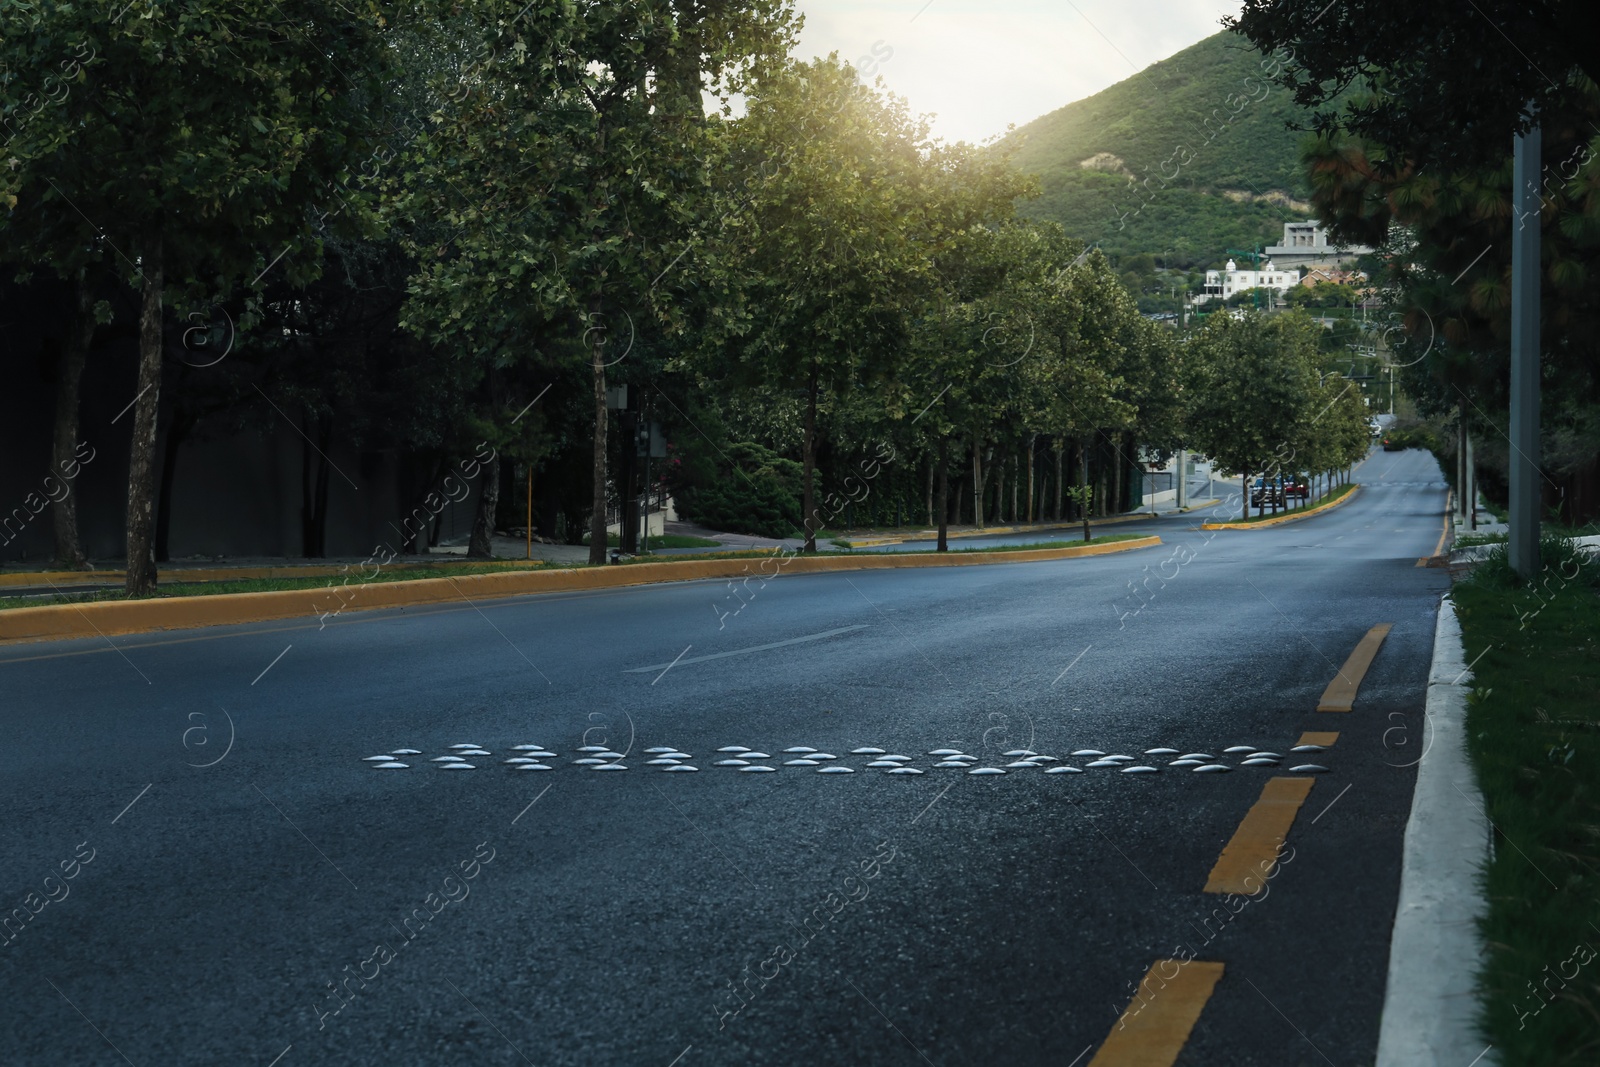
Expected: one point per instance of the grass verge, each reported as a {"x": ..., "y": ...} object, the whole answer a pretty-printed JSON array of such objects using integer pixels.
[
  {"x": 169, "y": 588},
  {"x": 1102, "y": 539},
  {"x": 1533, "y": 726}
]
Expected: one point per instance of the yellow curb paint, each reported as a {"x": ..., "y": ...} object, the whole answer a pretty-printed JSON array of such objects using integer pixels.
[
  {"x": 104, "y": 618},
  {"x": 873, "y": 542},
  {"x": 1315, "y": 737},
  {"x": 1341, "y": 692},
  {"x": 1281, "y": 519},
  {"x": 1253, "y": 852},
  {"x": 1156, "y": 1026}
]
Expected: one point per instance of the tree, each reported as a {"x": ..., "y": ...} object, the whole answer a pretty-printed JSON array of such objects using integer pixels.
[
  {"x": 1438, "y": 67},
  {"x": 1253, "y": 383},
  {"x": 572, "y": 170},
  {"x": 844, "y": 204},
  {"x": 188, "y": 140}
]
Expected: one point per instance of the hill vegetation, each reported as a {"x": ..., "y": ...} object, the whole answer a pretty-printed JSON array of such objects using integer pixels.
[{"x": 1185, "y": 159}]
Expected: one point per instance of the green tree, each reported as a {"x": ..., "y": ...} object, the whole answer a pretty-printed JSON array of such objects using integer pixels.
[
  {"x": 1252, "y": 386},
  {"x": 572, "y": 169},
  {"x": 187, "y": 139},
  {"x": 845, "y": 205}
]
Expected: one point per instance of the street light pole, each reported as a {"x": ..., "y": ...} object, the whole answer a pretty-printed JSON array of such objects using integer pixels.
[{"x": 1524, "y": 496}]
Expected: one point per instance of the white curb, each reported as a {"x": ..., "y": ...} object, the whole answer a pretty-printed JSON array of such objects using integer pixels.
[{"x": 1429, "y": 1007}]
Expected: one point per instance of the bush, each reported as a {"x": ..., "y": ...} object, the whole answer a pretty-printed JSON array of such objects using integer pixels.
[{"x": 754, "y": 491}]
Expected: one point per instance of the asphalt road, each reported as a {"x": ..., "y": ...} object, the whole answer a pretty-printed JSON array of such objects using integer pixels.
[{"x": 247, "y": 865}]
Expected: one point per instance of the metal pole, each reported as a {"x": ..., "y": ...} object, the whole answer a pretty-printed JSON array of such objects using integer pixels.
[
  {"x": 644, "y": 538},
  {"x": 1183, "y": 478},
  {"x": 1524, "y": 537}
]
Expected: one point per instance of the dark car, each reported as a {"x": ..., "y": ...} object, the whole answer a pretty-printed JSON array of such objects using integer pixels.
[
  {"x": 1393, "y": 444},
  {"x": 1267, "y": 493}
]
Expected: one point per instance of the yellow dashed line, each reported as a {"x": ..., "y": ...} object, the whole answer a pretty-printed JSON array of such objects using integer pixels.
[
  {"x": 1153, "y": 1029},
  {"x": 1314, "y": 737},
  {"x": 1247, "y": 861},
  {"x": 1341, "y": 692}
]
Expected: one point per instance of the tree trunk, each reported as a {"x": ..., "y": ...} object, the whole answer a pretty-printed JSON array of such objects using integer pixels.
[
  {"x": 944, "y": 495},
  {"x": 977, "y": 483},
  {"x": 141, "y": 579},
  {"x": 1055, "y": 512},
  {"x": 931, "y": 465},
  {"x": 1016, "y": 487},
  {"x": 1030, "y": 478},
  {"x": 69, "y": 380},
  {"x": 482, "y": 543},
  {"x": 1083, "y": 485},
  {"x": 597, "y": 518},
  {"x": 808, "y": 456}
]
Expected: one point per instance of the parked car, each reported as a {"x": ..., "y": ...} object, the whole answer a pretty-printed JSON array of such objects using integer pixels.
[
  {"x": 1297, "y": 485},
  {"x": 1393, "y": 444},
  {"x": 1267, "y": 493}
]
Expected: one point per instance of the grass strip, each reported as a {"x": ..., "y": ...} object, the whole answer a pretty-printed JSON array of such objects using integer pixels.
[
  {"x": 170, "y": 587},
  {"x": 1533, "y": 725}
]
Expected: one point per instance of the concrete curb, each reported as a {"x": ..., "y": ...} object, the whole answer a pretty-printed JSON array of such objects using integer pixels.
[
  {"x": 1430, "y": 1005},
  {"x": 104, "y": 618},
  {"x": 1281, "y": 519}
]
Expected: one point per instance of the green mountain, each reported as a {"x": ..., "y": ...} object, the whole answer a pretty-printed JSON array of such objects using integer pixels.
[{"x": 1185, "y": 159}]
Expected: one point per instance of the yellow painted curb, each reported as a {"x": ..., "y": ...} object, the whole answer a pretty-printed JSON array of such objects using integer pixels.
[
  {"x": 103, "y": 618},
  {"x": 1281, "y": 519},
  {"x": 872, "y": 542}
]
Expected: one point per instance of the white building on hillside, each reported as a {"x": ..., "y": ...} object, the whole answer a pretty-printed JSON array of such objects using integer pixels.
[
  {"x": 1306, "y": 244},
  {"x": 1221, "y": 284}
]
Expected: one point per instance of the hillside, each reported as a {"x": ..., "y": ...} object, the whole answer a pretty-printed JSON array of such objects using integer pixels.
[{"x": 1231, "y": 183}]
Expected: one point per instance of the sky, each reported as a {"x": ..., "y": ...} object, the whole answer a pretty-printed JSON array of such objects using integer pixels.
[{"x": 980, "y": 65}]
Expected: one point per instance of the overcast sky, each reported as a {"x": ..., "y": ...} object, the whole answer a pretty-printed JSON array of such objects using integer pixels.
[{"x": 982, "y": 64}]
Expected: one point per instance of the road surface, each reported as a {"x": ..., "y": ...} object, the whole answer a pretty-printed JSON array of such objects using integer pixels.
[{"x": 255, "y": 893}]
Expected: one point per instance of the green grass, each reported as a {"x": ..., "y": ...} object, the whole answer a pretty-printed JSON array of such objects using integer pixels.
[
  {"x": 746, "y": 553},
  {"x": 1534, "y": 736},
  {"x": 169, "y": 588},
  {"x": 1339, "y": 491}
]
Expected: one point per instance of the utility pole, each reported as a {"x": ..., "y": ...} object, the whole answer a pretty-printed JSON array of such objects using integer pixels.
[{"x": 1524, "y": 497}]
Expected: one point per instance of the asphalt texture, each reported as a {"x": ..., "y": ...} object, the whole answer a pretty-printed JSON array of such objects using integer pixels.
[{"x": 255, "y": 889}]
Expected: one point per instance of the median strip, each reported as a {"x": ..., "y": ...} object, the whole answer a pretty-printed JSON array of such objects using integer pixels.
[
  {"x": 1156, "y": 1026},
  {"x": 1341, "y": 692},
  {"x": 1253, "y": 852},
  {"x": 111, "y": 617},
  {"x": 1279, "y": 520}
]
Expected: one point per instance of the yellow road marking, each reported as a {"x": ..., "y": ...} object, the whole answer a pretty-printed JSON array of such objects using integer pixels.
[
  {"x": 1341, "y": 692},
  {"x": 1315, "y": 737},
  {"x": 1253, "y": 852},
  {"x": 1153, "y": 1029}
]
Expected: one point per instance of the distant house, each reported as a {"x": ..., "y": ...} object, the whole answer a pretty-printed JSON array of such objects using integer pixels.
[
  {"x": 1355, "y": 279},
  {"x": 1306, "y": 244},
  {"x": 1221, "y": 284}
]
